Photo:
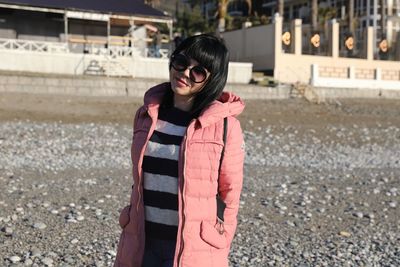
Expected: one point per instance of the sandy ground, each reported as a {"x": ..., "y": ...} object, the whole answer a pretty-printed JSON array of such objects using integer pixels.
[{"x": 258, "y": 113}]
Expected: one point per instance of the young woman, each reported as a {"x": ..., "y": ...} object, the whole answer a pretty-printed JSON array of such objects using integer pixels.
[{"x": 176, "y": 153}]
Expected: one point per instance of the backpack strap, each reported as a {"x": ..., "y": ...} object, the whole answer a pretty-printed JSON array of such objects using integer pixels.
[
  {"x": 220, "y": 203},
  {"x": 223, "y": 148}
]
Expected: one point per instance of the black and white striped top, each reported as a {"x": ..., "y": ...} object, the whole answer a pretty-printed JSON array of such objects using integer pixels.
[{"x": 160, "y": 170}]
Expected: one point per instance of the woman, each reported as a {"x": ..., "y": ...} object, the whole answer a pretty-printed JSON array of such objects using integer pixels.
[{"x": 176, "y": 152}]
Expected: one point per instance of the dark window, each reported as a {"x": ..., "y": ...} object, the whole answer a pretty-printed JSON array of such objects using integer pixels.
[{"x": 6, "y": 11}]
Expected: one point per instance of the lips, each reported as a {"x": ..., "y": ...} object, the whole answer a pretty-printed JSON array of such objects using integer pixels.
[{"x": 181, "y": 82}]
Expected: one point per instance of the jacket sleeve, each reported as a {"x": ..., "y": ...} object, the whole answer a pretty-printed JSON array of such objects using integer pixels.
[
  {"x": 231, "y": 176},
  {"x": 135, "y": 126}
]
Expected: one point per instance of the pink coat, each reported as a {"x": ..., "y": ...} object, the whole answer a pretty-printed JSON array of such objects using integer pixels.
[{"x": 199, "y": 242}]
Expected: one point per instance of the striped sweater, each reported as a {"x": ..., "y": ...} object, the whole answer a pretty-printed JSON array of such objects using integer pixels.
[{"x": 160, "y": 169}]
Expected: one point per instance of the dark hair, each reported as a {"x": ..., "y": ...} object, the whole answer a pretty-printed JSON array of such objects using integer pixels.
[{"x": 211, "y": 53}]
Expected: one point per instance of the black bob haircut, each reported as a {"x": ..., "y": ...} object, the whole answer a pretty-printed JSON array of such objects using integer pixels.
[{"x": 211, "y": 52}]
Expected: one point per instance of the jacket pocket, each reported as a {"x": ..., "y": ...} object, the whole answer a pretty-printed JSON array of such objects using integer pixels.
[
  {"x": 203, "y": 158},
  {"x": 124, "y": 216},
  {"x": 209, "y": 233}
]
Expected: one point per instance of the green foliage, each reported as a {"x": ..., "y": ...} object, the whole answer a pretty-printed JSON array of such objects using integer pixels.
[
  {"x": 256, "y": 20},
  {"x": 163, "y": 28},
  {"x": 325, "y": 14},
  {"x": 191, "y": 21}
]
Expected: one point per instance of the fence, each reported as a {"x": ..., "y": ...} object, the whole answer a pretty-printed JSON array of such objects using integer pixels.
[
  {"x": 330, "y": 66},
  {"x": 33, "y": 46}
]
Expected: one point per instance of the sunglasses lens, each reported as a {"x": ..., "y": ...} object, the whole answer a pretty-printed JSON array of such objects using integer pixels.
[
  {"x": 179, "y": 62},
  {"x": 198, "y": 74}
]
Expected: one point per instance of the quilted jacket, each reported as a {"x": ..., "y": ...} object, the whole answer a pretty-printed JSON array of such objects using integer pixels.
[{"x": 200, "y": 242}]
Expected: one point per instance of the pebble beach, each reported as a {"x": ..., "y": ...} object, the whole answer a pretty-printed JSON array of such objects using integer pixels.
[{"x": 321, "y": 182}]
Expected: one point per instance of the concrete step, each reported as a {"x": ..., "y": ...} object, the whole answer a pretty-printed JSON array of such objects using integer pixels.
[
  {"x": 115, "y": 68},
  {"x": 94, "y": 68},
  {"x": 299, "y": 90},
  {"x": 261, "y": 79}
]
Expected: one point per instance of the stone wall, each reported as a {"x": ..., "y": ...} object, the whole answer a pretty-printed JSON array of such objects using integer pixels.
[{"x": 107, "y": 86}]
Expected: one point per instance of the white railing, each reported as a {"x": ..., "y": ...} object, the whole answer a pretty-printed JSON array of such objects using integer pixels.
[
  {"x": 352, "y": 82},
  {"x": 33, "y": 46},
  {"x": 92, "y": 49},
  {"x": 114, "y": 51},
  {"x": 151, "y": 52}
]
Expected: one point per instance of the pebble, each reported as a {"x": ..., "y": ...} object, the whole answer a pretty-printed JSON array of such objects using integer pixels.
[
  {"x": 299, "y": 188},
  {"x": 47, "y": 261},
  {"x": 344, "y": 234},
  {"x": 19, "y": 209},
  {"x": 15, "y": 259},
  {"x": 8, "y": 231},
  {"x": 359, "y": 215},
  {"x": 290, "y": 223},
  {"x": 28, "y": 262},
  {"x": 35, "y": 252},
  {"x": 370, "y": 216},
  {"x": 39, "y": 225}
]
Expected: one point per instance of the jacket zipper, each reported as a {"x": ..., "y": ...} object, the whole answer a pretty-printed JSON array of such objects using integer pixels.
[
  {"x": 182, "y": 243},
  {"x": 151, "y": 130}
]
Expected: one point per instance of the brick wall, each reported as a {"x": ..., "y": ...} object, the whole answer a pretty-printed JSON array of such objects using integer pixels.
[
  {"x": 365, "y": 74},
  {"x": 333, "y": 72},
  {"x": 391, "y": 75}
]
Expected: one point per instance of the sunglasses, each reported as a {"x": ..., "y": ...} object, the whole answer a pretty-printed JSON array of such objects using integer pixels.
[{"x": 197, "y": 74}]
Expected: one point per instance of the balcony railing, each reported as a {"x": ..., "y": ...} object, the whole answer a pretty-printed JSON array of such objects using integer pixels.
[
  {"x": 33, "y": 46},
  {"x": 92, "y": 48}
]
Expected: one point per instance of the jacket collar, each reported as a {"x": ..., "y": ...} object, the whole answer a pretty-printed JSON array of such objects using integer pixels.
[{"x": 228, "y": 104}]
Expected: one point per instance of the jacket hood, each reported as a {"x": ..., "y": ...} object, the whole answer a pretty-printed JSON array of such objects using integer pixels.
[
  {"x": 228, "y": 104},
  {"x": 155, "y": 94}
]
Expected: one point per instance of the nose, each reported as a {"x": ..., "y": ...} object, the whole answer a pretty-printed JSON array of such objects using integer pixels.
[{"x": 186, "y": 72}]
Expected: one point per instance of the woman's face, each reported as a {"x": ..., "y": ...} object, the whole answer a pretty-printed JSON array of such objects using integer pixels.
[{"x": 187, "y": 76}]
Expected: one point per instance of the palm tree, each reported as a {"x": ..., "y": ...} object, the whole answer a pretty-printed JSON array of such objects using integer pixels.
[
  {"x": 351, "y": 17},
  {"x": 250, "y": 6},
  {"x": 152, "y": 3},
  {"x": 383, "y": 17},
  {"x": 280, "y": 7},
  {"x": 222, "y": 8},
  {"x": 314, "y": 15}
]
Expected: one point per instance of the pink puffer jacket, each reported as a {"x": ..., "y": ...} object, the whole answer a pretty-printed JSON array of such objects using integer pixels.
[{"x": 199, "y": 242}]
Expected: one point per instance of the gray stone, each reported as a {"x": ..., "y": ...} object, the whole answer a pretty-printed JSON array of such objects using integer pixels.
[
  {"x": 39, "y": 225},
  {"x": 15, "y": 259}
]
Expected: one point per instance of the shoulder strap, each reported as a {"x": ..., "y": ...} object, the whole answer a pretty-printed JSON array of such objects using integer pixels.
[
  {"x": 224, "y": 140},
  {"x": 220, "y": 203}
]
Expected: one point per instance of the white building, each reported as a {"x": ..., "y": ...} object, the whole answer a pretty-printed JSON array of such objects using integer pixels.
[{"x": 367, "y": 13}]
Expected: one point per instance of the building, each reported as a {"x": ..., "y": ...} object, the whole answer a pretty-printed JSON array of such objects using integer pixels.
[
  {"x": 82, "y": 25},
  {"x": 96, "y": 37},
  {"x": 91, "y": 37},
  {"x": 265, "y": 47},
  {"x": 366, "y": 13}
]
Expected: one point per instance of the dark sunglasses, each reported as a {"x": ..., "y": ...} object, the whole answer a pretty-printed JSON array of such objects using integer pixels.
[{"x": 197, "y": 73}]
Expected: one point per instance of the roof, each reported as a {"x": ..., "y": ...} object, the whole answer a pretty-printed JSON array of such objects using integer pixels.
[{"x": 123, "y": 7}]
